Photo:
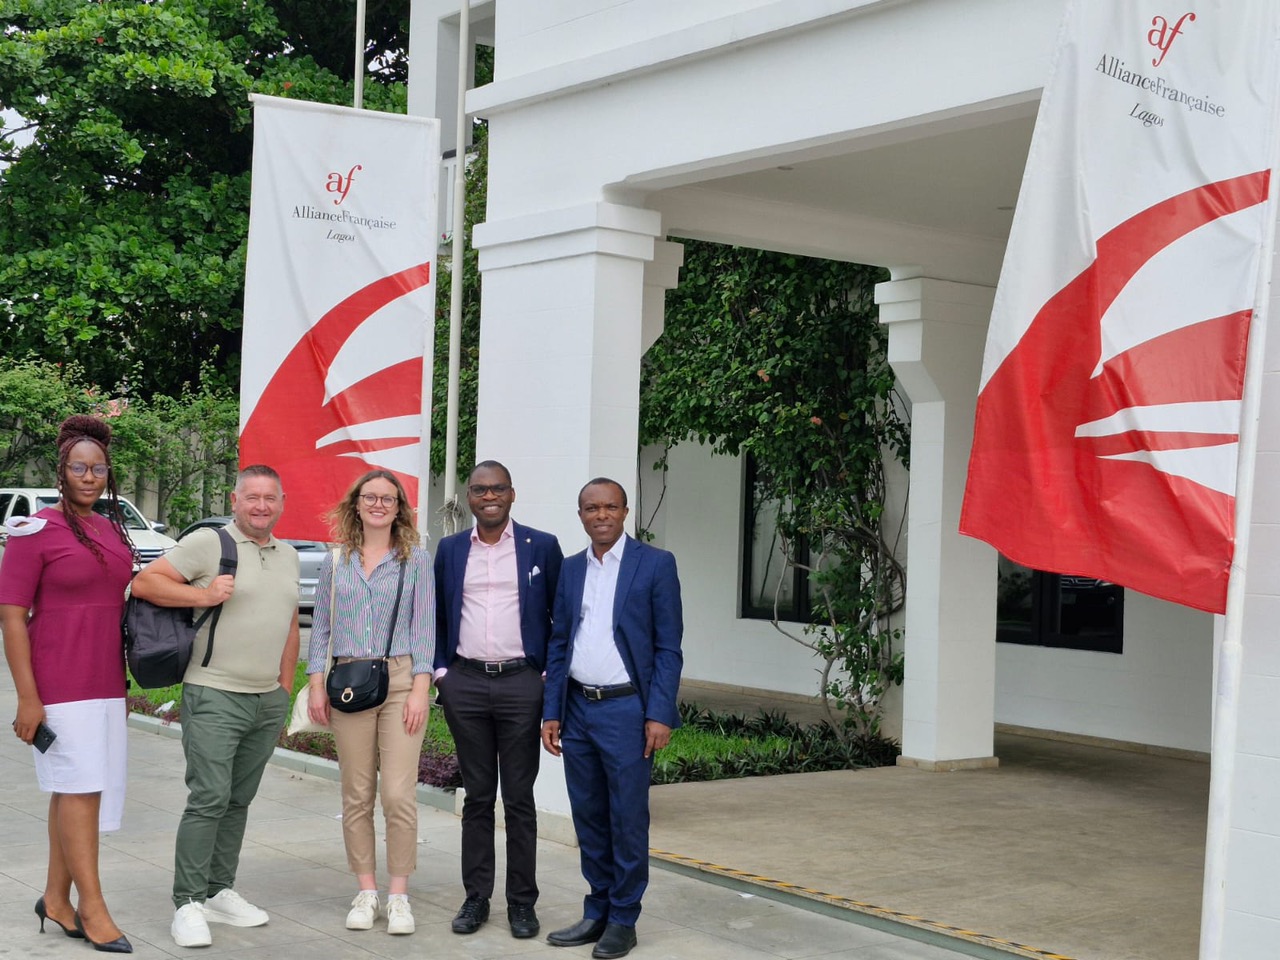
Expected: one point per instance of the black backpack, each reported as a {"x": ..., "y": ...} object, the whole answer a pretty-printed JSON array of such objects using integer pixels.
[{"x": 158, "y": 640}]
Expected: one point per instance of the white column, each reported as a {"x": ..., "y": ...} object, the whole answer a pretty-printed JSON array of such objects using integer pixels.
[
  {"x": 937, "y": 330},
  {"x": 561, "y": 336},
  {"x": 560, "y": 346}
]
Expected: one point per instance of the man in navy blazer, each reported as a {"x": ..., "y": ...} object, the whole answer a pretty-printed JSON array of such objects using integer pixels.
[
  {"x": 613, "y": 675},
  {"x": 495, "y": 585}
]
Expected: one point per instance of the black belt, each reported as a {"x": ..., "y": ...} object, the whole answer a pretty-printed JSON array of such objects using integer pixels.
[
  {"x": 493, "y": 668},
  {"x": 607, "y": 692}
]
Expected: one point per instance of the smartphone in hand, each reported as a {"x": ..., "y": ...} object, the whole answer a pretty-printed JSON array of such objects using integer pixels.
[{"x": 44, "y": 737}]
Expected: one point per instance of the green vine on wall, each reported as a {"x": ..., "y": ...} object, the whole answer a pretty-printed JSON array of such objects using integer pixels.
[{"x": 782, "y": 357}]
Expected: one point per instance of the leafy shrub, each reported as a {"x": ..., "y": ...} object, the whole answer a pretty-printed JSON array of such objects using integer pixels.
[
  {"x": 764, "y": 745},
  {"x": 708, "y": 746},
  {"x": 312, "y": 744},
  {"x": 439, "y": 768}
]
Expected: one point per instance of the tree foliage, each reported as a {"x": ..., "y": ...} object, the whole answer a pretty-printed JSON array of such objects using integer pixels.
[
  {"x": 184, "y": 446},
  {"x": 324, "y": 29},
  {"x": 123, "y": 218},
  {"x": 35, "y": 397},
  {"x": 782, "y": 358}
]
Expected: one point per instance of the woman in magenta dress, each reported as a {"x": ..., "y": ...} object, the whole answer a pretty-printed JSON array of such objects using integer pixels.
[{"x": 62, "y": 583}]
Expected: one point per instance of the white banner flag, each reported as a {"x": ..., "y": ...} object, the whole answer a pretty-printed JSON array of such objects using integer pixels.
[
  {"x": 339, "y": 301},
  {"x": 1108, "y": 420}
]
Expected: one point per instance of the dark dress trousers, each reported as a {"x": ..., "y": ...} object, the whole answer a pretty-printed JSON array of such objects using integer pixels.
[
  {"x": 602, "y": 741},
  {"x": 495, "y": 717}
]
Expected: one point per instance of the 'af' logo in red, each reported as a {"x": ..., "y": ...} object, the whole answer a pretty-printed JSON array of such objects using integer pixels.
[
  {"x": 1161, "y": 34},
  {"x": 337, "y": 183}
]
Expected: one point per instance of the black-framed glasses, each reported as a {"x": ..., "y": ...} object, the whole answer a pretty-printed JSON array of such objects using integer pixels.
[
  {"x": 372, "y": 499},
  {"x": 497, "y": 489},
  {"x": 99, "y": 470}
]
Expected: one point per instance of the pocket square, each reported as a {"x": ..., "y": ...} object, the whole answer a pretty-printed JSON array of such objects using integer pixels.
[{"x": 534, "y": 572}]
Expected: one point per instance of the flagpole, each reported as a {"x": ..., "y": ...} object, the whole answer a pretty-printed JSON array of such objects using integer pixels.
[
  {"x": 359, "y": 67},
  {"x": 451, "y": 511},
  {"x": 1226, "y": 704}
]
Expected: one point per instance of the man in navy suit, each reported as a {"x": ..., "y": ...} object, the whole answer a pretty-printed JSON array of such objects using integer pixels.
[
  {"x": 613, "y": 673},
  {"x": 495, "y": 585}
]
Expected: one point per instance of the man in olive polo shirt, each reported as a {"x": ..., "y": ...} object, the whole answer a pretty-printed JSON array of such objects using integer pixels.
[{"x": 232, "y": 709}]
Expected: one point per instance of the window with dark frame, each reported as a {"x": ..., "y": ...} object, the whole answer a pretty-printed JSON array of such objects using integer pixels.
[
  {"x": 1056, "y": 610},
  {"x": 766, "y": 574}
]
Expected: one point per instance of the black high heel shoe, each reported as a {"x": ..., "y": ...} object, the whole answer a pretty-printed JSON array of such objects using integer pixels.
[
  {"x": 120, "y": 944},
  {"x": 43, "y": 915}
]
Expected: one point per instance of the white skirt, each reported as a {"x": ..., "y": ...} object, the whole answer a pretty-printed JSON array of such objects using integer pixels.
[{"x": 89, "y": 755}]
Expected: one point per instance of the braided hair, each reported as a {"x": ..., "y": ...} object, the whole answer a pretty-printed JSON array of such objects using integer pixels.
[{"x": 76, "y": 429}]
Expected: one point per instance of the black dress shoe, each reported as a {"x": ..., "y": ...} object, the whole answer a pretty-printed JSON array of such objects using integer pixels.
[
  {"x": 120, "y": 944},
  {"x": 73, "y": 933},
  {"x": 616, "y": 941},
  {"x": 471, "y": 915},
  {"x": 584, "y": 931},
  {"x": 524, "y": 922}
]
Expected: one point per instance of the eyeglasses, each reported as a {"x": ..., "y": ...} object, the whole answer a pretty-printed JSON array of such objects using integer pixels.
[
  {"x": 480, "y": 489},
  {"x": 100, "y": 470},
  {"x": 372, "y": 499}
]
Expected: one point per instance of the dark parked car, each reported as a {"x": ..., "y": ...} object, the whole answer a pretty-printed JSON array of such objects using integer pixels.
[{"x": 310, "y": 555}]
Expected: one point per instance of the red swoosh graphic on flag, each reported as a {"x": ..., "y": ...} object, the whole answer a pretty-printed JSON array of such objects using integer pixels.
[
  {"x": 1047, "y": 498},
  {"x": 292, "y": 416}
]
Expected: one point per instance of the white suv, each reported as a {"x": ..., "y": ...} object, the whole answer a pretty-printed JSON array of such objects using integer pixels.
[{"x": 148, "y": 538}]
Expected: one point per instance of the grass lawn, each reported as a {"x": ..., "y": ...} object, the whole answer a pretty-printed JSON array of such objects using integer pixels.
[{"x": 694, "y": 743}]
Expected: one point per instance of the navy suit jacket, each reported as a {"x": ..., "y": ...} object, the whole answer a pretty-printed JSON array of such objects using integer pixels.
[
  {"x": 534, "y": 550},
  {"x": 647, "y": 627}
]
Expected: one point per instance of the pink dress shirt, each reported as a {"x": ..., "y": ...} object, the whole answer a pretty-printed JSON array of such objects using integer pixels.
[{"x": 489, "y": 628}]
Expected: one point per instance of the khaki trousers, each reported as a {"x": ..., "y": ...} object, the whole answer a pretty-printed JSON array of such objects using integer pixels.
[{"x": 369, "y": 742}]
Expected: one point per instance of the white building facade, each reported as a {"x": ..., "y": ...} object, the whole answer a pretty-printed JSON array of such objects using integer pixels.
[{"x": 887, "y": 132}]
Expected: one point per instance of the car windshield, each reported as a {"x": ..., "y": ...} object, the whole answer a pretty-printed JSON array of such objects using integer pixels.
[{"x": 131, "y": 517}]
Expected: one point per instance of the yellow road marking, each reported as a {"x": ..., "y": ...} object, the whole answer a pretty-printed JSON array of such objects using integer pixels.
[{"x": 860, "y": 906}]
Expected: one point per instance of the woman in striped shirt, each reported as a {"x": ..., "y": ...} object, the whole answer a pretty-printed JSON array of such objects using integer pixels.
[{"x": 355, "y": 598}]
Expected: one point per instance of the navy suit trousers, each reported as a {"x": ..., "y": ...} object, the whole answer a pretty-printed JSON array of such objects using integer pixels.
[{"x": 607, "y": 776}]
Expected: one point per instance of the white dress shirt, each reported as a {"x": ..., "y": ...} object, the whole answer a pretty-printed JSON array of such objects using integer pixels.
[{"x": 596, "y": 661}]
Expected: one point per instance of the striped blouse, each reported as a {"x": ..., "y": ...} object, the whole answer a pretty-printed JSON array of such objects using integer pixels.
[{"x": 362, "y": 611}]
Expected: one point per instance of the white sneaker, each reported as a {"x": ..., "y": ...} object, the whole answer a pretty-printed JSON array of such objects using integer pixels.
[
  {"x": 364, "y": 910},
  {"x": 189, "y": 928},
  {"x": 399, "y": 916},
  {"x": 229, "y": 907}
]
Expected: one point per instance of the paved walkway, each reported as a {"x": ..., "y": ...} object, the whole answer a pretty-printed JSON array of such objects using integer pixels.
[
  {"x": 1075, "y": 850},
  {"x": 294, "y": 867}
]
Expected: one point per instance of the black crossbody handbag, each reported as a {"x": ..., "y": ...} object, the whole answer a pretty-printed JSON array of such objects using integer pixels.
[{"x": 358, "y": 685}]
